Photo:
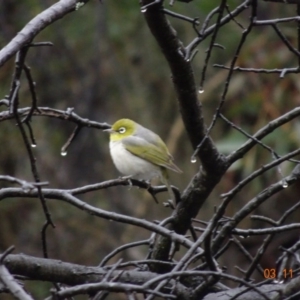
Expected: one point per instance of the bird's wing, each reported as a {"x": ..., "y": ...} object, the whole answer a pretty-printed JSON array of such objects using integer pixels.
[{"x": 150, "y": 152}]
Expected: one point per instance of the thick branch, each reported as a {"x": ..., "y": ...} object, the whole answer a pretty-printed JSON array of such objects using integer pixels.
[
  {"x": 213, "y": 163},
  {"x": 184, "y": 83},
  {"x": 71, "y": 274}
]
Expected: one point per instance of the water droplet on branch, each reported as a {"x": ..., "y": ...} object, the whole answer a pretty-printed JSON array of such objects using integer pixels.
[
  {"x": 63, "y": 153},
  {"x": 284, "y": 184},
  {"x": 193, "y": 159}
]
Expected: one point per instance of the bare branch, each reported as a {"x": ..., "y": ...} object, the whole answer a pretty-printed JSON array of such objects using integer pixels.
[
  {"x": 36, "y": 25},
  {"x": 8, "y": 280},
  {"x": 67, "y": 196}
]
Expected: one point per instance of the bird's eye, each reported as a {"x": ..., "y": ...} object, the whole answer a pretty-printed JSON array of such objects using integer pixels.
[{"x": 122, "y": 130}]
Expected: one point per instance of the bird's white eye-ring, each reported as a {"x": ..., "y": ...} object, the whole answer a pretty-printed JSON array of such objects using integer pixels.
[{"x": 122, "y": 130}]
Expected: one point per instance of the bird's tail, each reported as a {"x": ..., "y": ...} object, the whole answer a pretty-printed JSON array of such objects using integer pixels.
[{"x": 165, "y": 180}]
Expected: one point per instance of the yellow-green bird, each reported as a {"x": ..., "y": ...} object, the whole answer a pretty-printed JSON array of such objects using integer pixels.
[{"x": 138, "y": 152}]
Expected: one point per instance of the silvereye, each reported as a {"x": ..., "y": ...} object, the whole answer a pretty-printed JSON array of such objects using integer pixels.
[{"x": 138, "y": 152}]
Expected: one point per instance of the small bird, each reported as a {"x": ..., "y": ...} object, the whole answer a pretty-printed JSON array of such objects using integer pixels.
[{"x": 138, "y": 152}]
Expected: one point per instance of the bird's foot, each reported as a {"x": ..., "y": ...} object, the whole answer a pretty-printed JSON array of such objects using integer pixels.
[
  {"x": 169, "y": 203},
  {"x": 148, "y": 184},
  {"x": 128, "y": 178}
]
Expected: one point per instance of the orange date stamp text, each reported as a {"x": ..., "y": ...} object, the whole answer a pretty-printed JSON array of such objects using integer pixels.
[{"x": 272, "y": 273}]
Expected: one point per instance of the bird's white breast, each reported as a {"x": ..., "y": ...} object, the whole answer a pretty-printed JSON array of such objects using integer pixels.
[{"x": 129, "y": 164}]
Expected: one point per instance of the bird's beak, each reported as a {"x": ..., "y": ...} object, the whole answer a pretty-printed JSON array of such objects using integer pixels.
[{"x": 109, "y": 130}]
